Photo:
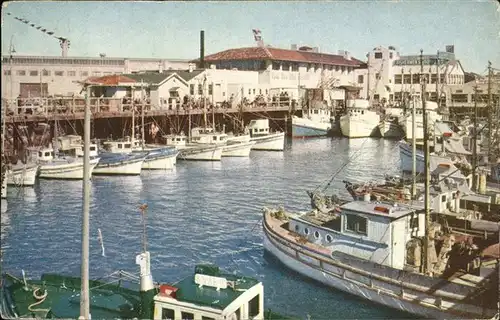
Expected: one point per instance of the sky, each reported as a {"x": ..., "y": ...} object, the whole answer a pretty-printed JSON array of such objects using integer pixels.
[{"x": 171, "y": 29}]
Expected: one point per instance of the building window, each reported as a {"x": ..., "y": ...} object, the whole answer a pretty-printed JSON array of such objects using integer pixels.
[
  {"x": 416, "y": 78},
  {"x": 21, "y": 72},
  {"x": 276, "y": 65},
  {"x": 84, "y": 74},
  {"x": 254, "y": 306},
  {"x": 376, "y": 97},
  {"x": 187, "y": 315},
  {"x": 71, "y": 73},
  {"x": 96, "y": 73},
  {"x": 45, "y": 73},
  {"x": 390, "y": 55},
  {"x": 191, "y": 89},
  {"x": 104, "y": 73},
  {"x": 200, "y": 89},
  {"x": 378, "y": 55},
  {"x": 398, "y": 79},
  {"x": 210, "y": 89},
  {"x": 356, "y": 224},
  {"x": 59, "y": 73},
  {"x": 249, "y": 91},
  {"x": 295, "y": 67},
  {"x": 361, "y": 79},
  {"x": 407, "y": 79},
  {"x": 6, "y": 72},
  {"x": 33, "y": 73},
  {"x": 167, "y": 314},
  {"x": 253, "y": 91},
  {"x": 377, "y": 76}
]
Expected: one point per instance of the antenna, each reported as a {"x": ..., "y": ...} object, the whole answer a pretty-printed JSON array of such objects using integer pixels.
[
  {"x": 64, "y": 43},
  {"x": 257, "y": 35}
]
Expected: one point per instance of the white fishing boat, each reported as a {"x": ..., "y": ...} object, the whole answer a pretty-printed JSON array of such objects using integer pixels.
[
  {"x": 189, "y": 151},
  {"x": 389, "y": 125},
  {"x": 314, "y": 122},
  {"x": 22, "y": 175},
  {"x": 114, "y": 162},
  {"x": 238, "y": 147},
  {"x": 359, "y": 121},
  {"x": 64, "y": 167},
  {"x": 406, "y": 120},
  {"x": 263, "y": 138}
]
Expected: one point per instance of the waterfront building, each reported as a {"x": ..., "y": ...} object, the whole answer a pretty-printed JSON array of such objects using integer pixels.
[
  {"x": 392, "y": 76},
  {"x": 35, "y": 76}
]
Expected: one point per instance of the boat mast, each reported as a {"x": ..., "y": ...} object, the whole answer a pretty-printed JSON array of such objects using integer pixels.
[
  {"x": 490, "y": 116},
  {"x": 84, "y": 296},
  {"x": 142, "y": 114},
  {"x": 474, "y": 142},
  {"x": 414, "y": 149},
  {"x": 423, "y": 80},
  {"x": 204, "y": 102},
  {"x": 133, "y": 118}
]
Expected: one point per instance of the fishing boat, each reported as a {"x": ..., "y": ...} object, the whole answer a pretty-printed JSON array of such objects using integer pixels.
[
  {"x": 236, "y": 147},
  {"x": 359, "y": 121},
  {"x": 314, "y": 122},
  {"x": 407, "y": 119},
  {"x": 117, "y": 159},
  {"x": 190, "y": 151},
  {"x": 264, "y": 139},
  {"x": 22, "y": 175},
  {"x": 389, "y": 126},
  {"x": 64, "y": 167}
]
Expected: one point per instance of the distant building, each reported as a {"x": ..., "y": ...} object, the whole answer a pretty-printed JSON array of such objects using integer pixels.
[
  {"x": 35, "y": 76},
  {"x": 391, "y": 76}
]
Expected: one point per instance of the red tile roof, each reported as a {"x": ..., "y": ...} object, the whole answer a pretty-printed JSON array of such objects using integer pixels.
[
  {"x": 112, "y": 80},
  {"x": 258, "y": 53}
]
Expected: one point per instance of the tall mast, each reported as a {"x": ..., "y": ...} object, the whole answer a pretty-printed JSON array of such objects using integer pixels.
[
  {"x": 490, "y": 116},
  {"x": 423, "y": 80},
  {"x": 474, "y": 142},
  {"x": 142, "y": 114},
  {"x": 133, "y": 118},
  {"x": 84, "y": 297},
  {"x": 204, "y": 102},
  {"x": 414, "y": 148},
  {"x": 437, "y": 83}
]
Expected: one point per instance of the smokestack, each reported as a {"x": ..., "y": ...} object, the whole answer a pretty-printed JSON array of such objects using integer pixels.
[{"x": 202, "y": 49}]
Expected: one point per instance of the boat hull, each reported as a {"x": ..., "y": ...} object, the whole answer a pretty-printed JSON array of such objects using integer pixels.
[
  {"x": 241, "y": 149},
  {"x": 271, "y": 142},
  {"x": 358, "y": 128},
  {"x": 201, "y": 153},
  {"x": 391, "y": 294},
  {"x": 390, "y": 130},
  {"x": 307, "y": 128},
  {"x": 160, "y": 162},
  {"x": 66, "y": 171},
  {"x": 24, "y": 177},
  {"x": 128, "y": 167}
]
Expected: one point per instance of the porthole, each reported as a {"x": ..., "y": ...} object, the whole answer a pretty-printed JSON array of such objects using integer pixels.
[
  {"x": 329, "y": 238},
  {"x": 306, "y": 231},
  {"x": 297, "y": 228},
  {"x": 316, "y": 234}
]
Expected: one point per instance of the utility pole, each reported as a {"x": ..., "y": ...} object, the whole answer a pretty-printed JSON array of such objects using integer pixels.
[
  {"x": 474, "y": 142},
  {"x": 490, "y": 116},
  {"x": 438, "y": 97},
  {"x": 423, "y": 80}
]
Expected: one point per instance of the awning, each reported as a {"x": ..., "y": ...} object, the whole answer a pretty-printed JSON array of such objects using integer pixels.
[{"x": 174, "y": 89}]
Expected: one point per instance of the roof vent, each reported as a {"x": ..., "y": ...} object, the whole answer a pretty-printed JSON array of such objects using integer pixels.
[{"x": 191, "y": 67}]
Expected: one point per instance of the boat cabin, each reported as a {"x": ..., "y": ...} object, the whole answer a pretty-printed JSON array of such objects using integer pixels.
[
  {"x": 68, "y": 142},
  {"x": 375, "y": 231},
  {"x": 210, "y": 294},
  {"x": 45, "y": 154},
  {"x": 119, "y": 146},
  {"x": 317, "y": 114},
  {"x": 93, "y": 150},
  {"x": 175, "y": 140},
  {"x": 259, "y": 127},
  {"x": 207, "y": 136}
]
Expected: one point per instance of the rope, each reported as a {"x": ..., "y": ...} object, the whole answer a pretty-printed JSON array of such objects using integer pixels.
[{"x": 41, "y": 299}]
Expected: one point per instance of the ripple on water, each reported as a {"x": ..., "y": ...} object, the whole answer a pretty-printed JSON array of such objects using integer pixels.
[{"x": 199, "y": 212}]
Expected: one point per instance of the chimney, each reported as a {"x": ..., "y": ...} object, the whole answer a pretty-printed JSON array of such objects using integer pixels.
[
  {"x": 347, "y": 55},
  {"x": 160, "y": 66},
  {"x": 202, "y": 49},
  {"x": 191, "y": 67},
  {"x": 293, "y": 47}
]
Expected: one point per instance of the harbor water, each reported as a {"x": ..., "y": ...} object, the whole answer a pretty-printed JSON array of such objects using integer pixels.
[{"x": 200, "y": 212}]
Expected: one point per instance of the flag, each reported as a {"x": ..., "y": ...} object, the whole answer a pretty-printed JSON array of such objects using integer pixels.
[
  {"x": 256, "y": 34},
  {"x": 450, "y": 49}
]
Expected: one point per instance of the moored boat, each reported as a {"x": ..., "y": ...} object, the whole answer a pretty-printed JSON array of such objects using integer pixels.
[
  {"x": 359, "y": 121},
  {"x": 190, "y": 151},
  {"x": 65, "y": 167},
  {"x": 263, "y": 138},
  {"x": 22, "y": 175},
  {"x": 315, "y": 122}
]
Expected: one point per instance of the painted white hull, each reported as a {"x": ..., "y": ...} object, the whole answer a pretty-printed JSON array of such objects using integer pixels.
[
  {"x": 408, "y": 128},
  {"x": 304, "y": 127},
  {"x": 73, "y": 171},
  {"x": 375, "y": 290},
  {"x": 390, "y": 130},
  {"x": 270, "y": 142},
  {"x": 242, "y": 138},
  {"x": 166, "y": 162},
  {"x": 201, "y": 153},
  {"x": 241, "y": 149},
  {"x": 24, "y": 177},
  {"x": 127, "y": 167},
  {"x": 359, "y": 127}
]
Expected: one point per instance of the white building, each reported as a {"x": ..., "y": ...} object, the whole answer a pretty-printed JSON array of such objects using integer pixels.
[
  {"x": 29, "y": 76},
  {"x": 391, "y": 75}
]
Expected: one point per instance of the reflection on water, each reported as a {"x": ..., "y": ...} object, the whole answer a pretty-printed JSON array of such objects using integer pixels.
[{"x": 199, "y": 212}]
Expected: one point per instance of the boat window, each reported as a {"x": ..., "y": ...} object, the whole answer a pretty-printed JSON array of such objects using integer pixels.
[
  {"x": 178, "y": 139},
  {"x": 92, "y": 148},
  {"x": 187, "y": 315},
  {"x": 297, "y": 228},
  {"x": 47, "y": 154},
  {"x": 356, "y": 224},
  {"x": 316, "y": 234},
  {"x": 443, "y": 198},
  {"x": 128, "y": 145},
  {"x": 214, "y": 138},
  {"x": 329, "y": 238},
  {"x": 167, "y": 314},
  {"x": 306, "y": 231},
  {"x": 261, "y": 130},
  {"x": 315, "y": 111},
  {"x": 40, "y": 154},
  {"x": 254, "y": 306},
  {"x": 362, "y": 112},
  {"x": 120, "y": 145}
]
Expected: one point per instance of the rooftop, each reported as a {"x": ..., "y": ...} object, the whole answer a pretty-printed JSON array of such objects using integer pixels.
[
  {"x": 260, "y": 53},
  {"x": 384, "y": 209},
  {"x": 153, "y": 78}
]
